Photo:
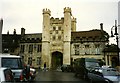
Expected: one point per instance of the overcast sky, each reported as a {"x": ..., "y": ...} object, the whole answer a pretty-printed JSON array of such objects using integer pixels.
[{"x": 28, "y": 13}]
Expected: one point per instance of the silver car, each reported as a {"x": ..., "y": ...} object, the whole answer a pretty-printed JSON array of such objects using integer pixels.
[{"x": 111, "y": 74}]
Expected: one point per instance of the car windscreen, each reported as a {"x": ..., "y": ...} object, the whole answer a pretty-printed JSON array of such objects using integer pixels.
[
  {"x": 91, "y": 64},
  {"x": 13, "y": 63}
]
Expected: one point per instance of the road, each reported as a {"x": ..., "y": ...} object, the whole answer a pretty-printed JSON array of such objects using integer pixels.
[{"x": 57, "y": 76}]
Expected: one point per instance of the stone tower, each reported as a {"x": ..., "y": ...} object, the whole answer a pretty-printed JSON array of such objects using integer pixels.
[
  {"x": 67, "y": 35},
  {"x": 56, "y": 38},
  {"x": 45, "y": 38},
  {"x": 1, "y": 25},
  {"x": 73, "y": 24}
]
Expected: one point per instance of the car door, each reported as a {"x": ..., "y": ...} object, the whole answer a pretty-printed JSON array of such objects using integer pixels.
[{"x": 8, "y": 74}]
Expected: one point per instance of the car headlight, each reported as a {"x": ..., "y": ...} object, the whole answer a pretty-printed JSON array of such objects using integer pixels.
[{"x": 100, "y": 70}]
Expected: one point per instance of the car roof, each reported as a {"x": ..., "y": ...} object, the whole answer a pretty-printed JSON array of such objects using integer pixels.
[
  {"x": 8, "y": 55},
  {"x": 2, "y": 68}
]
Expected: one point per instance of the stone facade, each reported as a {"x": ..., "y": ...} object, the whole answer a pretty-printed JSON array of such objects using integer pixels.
[
  {"x": 56, "y": 37},
  {"x": 60, "y": 39},
  {"x": 88, "y": 44},
  {"x": 60, "y": 43},
  {"x": 30, "y": 48}
]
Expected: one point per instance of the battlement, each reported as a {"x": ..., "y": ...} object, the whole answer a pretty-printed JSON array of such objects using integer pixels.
[
  {"x": 74, "y": 19},
  {"x": 56, "y": 20},
  {"x": 67, "y": 9},
  {"x": 46, "y": 11}
]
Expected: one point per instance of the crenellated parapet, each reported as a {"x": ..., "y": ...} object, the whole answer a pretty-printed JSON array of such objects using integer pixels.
[
  {"x": 67, "y": 9},
  {"x": 74, "y": 19},
  {"x": 56, "y": 20},
  {"x": 46, "y": 11}
]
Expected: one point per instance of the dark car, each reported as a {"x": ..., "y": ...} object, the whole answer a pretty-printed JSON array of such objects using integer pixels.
[
  {"x": 67, "y": 68},
  {"x": 85, "y": 68},
  {"x": 95, "y": 78}
]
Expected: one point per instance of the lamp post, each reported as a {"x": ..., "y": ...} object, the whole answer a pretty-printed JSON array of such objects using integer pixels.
[{"x": 116, "y": 34}]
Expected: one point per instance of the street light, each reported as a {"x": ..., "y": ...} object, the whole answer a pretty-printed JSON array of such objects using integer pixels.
[{"x": 116, "y": 34}]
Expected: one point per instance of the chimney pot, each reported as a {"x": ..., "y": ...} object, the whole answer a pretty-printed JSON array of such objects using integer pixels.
[{"x": 101, "y": 26}]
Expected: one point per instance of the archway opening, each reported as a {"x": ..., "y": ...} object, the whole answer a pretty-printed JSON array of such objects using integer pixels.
[{"x": 57, "y": 59}]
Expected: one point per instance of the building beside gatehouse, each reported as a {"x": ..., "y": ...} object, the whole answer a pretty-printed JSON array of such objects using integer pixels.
[{"x": 59, "y": 43}]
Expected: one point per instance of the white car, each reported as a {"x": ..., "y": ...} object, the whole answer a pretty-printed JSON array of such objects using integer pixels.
[
  {"x": 13, "y": 62},
  {"x": 6, "y": 75}
]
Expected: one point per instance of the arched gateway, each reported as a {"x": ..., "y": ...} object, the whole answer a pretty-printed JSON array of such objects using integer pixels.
[{"x": 56, "y": 59}]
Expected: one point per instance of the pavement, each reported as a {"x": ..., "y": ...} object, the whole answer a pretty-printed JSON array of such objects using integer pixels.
[{"x": 57, "y": 76}]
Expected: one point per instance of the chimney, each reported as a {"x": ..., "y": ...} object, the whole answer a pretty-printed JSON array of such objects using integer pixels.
[
  {"x": 14, "y": 32},
  {"x": 22, "y": 31},
  {"x": 101, "y": 26}
]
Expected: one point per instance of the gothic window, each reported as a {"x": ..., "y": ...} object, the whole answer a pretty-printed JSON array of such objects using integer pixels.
[
  {"x": 87, "y": 49},
  {"x": 59, "y": 28},
  {"x": 97, "y": 49},
  {"x": 30, "y": 60},
  {"x": 53, "y": 37},
  {"x": 56, "y": 32},
  {"x": 22, "y": 47},
  {"x": 39, "y": 49},
  {"x": 59, "y": 37},
  {"x": 38, "y": 60},
  {"x": 76, "y": 49},
  {"x": 30, "y": 48}
]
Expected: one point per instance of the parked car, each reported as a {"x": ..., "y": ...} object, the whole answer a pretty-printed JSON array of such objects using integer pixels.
[
  {"x": 15, "y": 63},
  {"x": 88, "y": 69},
  {"x": 111, "y": 74},
  {"x": 67, "y": 68},
  {"x": 95, "y": 78},
  {"x": 84, "y": 65},
  {"x": 6, "y": 75}
]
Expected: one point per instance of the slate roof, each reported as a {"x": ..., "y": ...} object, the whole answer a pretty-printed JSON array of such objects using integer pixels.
[
  {"x": 111, "y": 48},
  {"x": 92, "y": 35}
]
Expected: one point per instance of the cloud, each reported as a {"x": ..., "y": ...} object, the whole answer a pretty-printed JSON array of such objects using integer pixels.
[{"x": 28, "y": 13}]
